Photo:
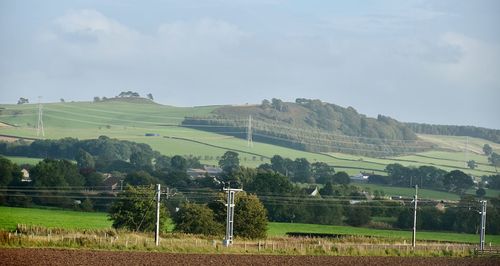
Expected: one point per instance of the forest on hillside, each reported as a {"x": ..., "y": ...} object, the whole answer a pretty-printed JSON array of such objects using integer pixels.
[
  {"x": 313, "y": 125},
  {"x": 451, "y": 130},
  {"x": 316, "y": 126}
]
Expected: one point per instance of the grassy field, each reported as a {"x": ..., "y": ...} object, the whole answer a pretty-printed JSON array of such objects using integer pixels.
[
  {"x": 280, "y": 229},
  {"x": 130, "y": 121},
  {"x": 23, "y": 160},
  {"x": 409, "y": 192},
  {"x": 423, "y": 193},
  {"x": 10, "y": 217}
]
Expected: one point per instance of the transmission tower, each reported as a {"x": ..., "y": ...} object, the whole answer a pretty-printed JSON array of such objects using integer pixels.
[
  {"x": 249, "y": 132},
  {"x": 39, "y": 126}
]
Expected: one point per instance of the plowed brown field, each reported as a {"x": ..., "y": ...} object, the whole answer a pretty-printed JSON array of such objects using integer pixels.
[{"x": 87, "y": 257}]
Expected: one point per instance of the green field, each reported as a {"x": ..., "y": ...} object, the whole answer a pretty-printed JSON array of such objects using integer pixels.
[
  {"x": 130, "y": 121},
  {"x": 409, "y": 192},
  {"x": 280, "y": 229},
  {"x": 23, "y": 160},
  {"x": 10, "y": 217}
]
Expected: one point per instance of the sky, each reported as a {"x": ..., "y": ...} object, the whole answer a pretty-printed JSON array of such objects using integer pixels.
[{"x": 433, "y": 62}]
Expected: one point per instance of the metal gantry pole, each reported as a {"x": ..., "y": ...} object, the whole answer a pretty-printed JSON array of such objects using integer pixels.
[
  {"x": 157, "y": 231},
  {"x": 228, "y": 240},
  {"x": 414, "y": 237},
  {"x": 483, "y": 224}
]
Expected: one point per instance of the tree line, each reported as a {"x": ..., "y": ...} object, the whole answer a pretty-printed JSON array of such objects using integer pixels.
[
  {"x": 283, "y": 186},
  {"x": 313, "y": 125},
  {"x": 431, "y": 177},
  {"x": 451, "y": 130}
]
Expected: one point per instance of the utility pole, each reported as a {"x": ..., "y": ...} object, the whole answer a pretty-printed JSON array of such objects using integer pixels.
[
  {"x": 414, "y": 237},
  {"x": 249, "y": 132},
  {"x": 39, "y": 125},
  {"x": 157, "y": 231},
  {"x": 228, "y": 240},
  {"x": 483, "y": 224},
  {"x": 158, "y": 197}
]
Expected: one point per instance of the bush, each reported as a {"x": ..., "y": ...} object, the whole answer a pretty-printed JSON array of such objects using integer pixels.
[
  {"x": 134, "y": 210},
  {"x": 197, "y": 219}
]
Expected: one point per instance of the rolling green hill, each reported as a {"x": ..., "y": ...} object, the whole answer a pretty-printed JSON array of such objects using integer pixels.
[
  {"x": 132, "y": 120},
  {"x": 312, "y": 125}
]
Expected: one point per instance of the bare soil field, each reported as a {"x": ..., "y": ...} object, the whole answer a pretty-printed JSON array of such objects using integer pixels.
[{"x": 88, "y": 257}]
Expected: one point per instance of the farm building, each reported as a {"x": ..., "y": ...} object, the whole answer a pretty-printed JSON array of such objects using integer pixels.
[
  {"x": 360, "y": 177},
  {"x": 26, "y": 176},
  {"x": 196, "y": 173}
]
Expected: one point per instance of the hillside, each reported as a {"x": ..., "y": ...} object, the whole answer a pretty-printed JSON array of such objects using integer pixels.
[
  {"x": 315, "y": 126},
  {"x": 131, "y": 121}
]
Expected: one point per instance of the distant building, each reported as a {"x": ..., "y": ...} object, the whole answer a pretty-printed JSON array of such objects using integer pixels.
[
  {"x": 312, "y": 191},
  {"x": 112, "y": 182},
  {"x": 210, "y": 171},
  {"x": 26, "y": 176},
  {"x": 360, "y": 177},
  {"x": 440, "y": 207}
]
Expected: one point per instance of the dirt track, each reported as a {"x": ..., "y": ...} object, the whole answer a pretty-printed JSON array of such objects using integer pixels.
[{"x": 86, "y": 257}]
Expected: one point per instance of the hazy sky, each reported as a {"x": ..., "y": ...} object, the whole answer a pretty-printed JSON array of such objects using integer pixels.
[{"x": 416, "y": 61}]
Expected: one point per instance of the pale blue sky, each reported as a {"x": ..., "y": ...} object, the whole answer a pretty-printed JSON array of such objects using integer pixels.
[{"x": 416, "y": 61}]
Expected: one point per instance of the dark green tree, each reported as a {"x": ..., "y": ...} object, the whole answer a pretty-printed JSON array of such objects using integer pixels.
[
  {"x": 494, "y": 159},
  {"x": 494, "y": 181},
  {"x": 487, "y": 149},
  {"x": 341, "y": 178},
  {"x": 302, "y": 171},
  {"x": 22, "y": 101},
  {"x": 162, "y": 163},
  {"x": 229, "y": 162},
  {"x": 94, "y": 179},
  {"x": 84, "y": 159},
  {"x": 250, "y": 219},
  {"x": 327, "y": 190},
  {"x": 178, "y": 163},
  {"x": 322, "y": 172},
  {"x": 472, "y": 164},
  {"x": 270, "y": 183},
  {"x": 457, "y": 181},
  {"x": 195, "y": 218},
  {"x": 405, "y": 219},
  {"x": 177, "y": 179},
  {"x": 56, "y": 173},
  {"x": 134, "y": 209},
  {"x": 278, "y": 164},
  {"x": 140, "y": 178},
  {"x": 141, "y": 160},
  {"x": 480, "y": 192},
  {"x": 9, "y": 172},
  {"x": 87, "y": 205}
]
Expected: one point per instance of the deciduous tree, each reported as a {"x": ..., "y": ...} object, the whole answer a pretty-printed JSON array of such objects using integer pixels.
[{"x": 134, "y": 210}]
